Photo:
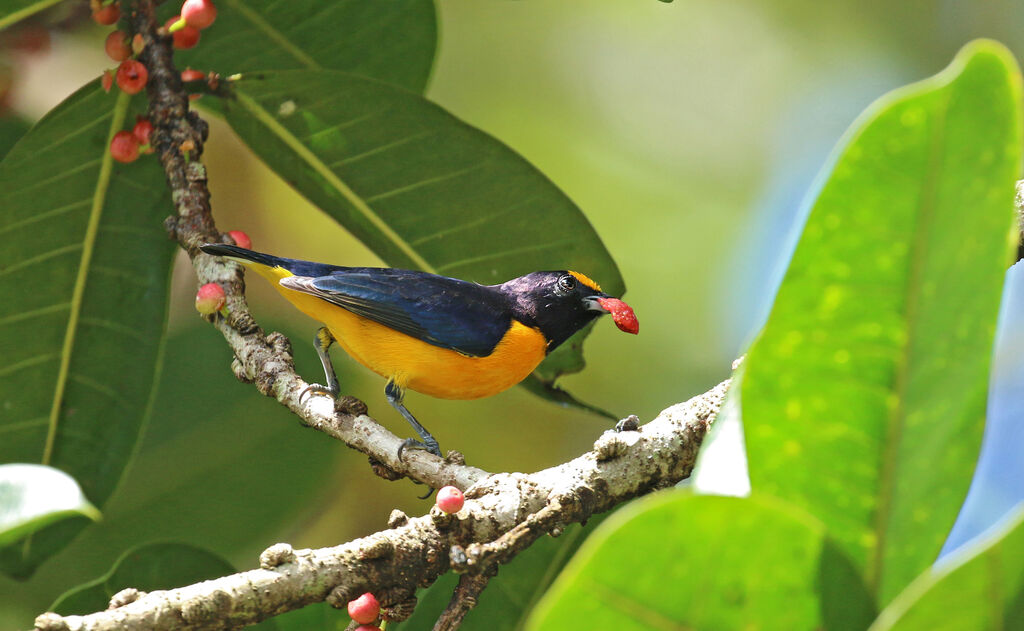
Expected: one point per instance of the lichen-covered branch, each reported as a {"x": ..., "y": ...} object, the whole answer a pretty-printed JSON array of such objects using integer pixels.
[{"x": 504, "y": 513}]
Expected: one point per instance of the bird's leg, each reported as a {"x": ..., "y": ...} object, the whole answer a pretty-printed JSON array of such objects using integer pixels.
[
  {"x": 395, "y": 394},
  {"x": 322, "y": 342}
]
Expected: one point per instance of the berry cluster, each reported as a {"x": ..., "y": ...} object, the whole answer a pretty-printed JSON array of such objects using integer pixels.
[{"x": 131, "y": 75}]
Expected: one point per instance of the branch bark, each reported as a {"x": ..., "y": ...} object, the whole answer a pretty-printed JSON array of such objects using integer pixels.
[{"x": 503, "y": 515}]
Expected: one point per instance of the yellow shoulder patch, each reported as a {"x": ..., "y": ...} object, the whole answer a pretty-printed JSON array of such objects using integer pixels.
[{"x": 583, "y": 278}]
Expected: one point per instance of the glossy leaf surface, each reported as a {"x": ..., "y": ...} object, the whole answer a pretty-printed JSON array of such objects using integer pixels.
[
  {"x": 33, "y": 496},
  {"x": 864, "y": 398},
  {"x": 679, "y": 561}
]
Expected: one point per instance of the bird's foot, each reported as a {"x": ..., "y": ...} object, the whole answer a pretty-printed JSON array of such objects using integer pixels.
[
  {"x": 411, "y": 443},
  {"x": 316, "y": 388}
]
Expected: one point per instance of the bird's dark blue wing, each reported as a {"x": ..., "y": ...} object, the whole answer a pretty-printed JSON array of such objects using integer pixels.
[{"x": 445, "y": 312}]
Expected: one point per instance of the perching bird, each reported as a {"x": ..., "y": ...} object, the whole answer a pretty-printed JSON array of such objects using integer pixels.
[{"x": 441, "y": 336}]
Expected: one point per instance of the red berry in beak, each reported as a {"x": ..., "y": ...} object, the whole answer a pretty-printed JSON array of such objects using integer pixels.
[{"x": 622, "y": 314}]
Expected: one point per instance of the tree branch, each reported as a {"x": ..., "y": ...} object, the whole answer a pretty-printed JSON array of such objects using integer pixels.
[{"x": 503, "y": 515}]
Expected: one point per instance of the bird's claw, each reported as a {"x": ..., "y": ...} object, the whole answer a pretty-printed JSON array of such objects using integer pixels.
[
  {"x": 411, "y": 443},
  {"x": 318, "y": 389}
]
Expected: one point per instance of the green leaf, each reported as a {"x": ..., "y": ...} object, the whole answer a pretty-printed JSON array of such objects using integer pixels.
[
  {"x": 389, "y": 40},
  {"x": 84, "y": 268},
  {"x": 980, "y": 586},
  {"x": 512, "y": 594},
  {"x": 12, "y": 128},
  {"x": 33, "y": 496},
  {"x": 418, "y": 186},
  {"x": 680, "y": 561},
  {"x": 864, "y": 398},
  {"x": 13, "y": 11}
]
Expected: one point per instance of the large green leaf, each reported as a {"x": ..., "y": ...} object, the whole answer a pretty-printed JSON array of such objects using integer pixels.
[
  {"x": 390, "y": 40},
  {"x": 84, "y": 265},
  {"x": 33, "y": 496},
  {"x": 13, "y": 11},
  {"x": 979, "y": 587},
  {"x": 679, "y": 561},
  {"x": 864, "y": 397},
  {"x": 418, "y": 186}
]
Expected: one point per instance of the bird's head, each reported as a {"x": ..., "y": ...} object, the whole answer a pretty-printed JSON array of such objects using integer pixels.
[{"x": 561, "y": 303}]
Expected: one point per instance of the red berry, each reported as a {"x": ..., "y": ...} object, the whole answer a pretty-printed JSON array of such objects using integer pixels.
[
  {"x": 107, "y": 14},
  {"x": 367, "y": 627},
  {"x": 132, "y": 76},
  {"x": 450, "y": 499},
  {"x": 107, "y": 80},
  {"x": 242, "y": 240},
  {"x": 138, "y": 43},
  {"x": 117, "y": 46},
  {"x": 209, "y": 298},
  {"x": 124, "y": 147},
  {"x": 143, "y": 128},
  {"x": 364, "y": 609},
  {"x": 199, "y": 13},
  {"x": 185, "y": 37}
]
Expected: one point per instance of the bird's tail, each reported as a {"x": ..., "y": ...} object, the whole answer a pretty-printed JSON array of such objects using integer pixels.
[{"x": 242, "y": 255}]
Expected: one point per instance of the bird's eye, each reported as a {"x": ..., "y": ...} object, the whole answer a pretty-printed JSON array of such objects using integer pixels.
[{"x": 566, "y": 283}]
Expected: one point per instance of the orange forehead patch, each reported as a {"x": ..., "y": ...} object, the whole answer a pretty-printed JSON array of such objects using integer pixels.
[{"x": 586, "y": 280}]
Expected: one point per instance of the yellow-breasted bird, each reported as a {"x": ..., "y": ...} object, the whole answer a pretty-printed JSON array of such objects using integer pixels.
[{"x": 441, "y": 336}]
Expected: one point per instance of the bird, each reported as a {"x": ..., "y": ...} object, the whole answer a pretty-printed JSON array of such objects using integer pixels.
[{"x": 441, "y": 336}]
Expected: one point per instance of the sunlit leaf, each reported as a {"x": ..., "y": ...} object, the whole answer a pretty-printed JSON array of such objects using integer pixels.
[
  {"x": 978, "y": 587},
  {"x": 864, "y": 397},
  {"x": 679, "y": 561},
  {"x": 33, "y": 496}
]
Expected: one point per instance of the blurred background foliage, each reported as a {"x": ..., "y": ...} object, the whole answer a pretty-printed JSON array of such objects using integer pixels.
[{"x": 687, "y": 132}]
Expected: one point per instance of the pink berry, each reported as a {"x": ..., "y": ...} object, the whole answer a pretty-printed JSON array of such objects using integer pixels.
[
  {"x": 367, "y": 627},
  {"x": 117, "y": 46},
  {"x": 199, "y": 13},
  {"x": 242, "y": 240},
  {"x": 124, "y": 147},
  {"x": 106, "y": 14},
  {"x": 364, "y": 609},
  {"x": 107, "y": 81},
  {"x": 132, "y": 76},
  {"x": 142, "y": 130},
  {"x": 186, "y": 36},
  {"x": 209, "y": 298},
  {"x": 450, "y": 499}
]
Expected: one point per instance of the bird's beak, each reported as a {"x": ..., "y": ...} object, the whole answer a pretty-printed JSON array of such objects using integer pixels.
[{"x": 622, "y": 313}]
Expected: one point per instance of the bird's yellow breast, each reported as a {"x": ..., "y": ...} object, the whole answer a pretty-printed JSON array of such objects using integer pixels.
[{"x": 415, "y": 364}]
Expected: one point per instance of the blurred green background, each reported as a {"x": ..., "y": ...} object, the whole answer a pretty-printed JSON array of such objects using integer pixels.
[{"x": 688, "y": 133}]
